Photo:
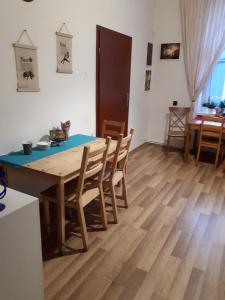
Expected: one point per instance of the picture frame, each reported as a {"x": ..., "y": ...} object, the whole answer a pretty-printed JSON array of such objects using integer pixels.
[
  {"x": 64, "y": 53},
  {"x": 170, "y": 51},
  {"x": 149, "y": 54},
  {"x": 148, "y": 75},
  {"x": 26, "y": 68}
]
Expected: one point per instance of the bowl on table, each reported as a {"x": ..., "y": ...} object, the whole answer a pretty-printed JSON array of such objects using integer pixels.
[{"x": 43, "y": 145}]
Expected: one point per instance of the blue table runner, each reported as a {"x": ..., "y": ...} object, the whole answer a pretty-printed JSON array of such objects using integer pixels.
[{"x": 18, "y": 159}]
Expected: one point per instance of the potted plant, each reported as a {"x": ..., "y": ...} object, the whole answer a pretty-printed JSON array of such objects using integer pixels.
[{"x": 210, "y": 103}]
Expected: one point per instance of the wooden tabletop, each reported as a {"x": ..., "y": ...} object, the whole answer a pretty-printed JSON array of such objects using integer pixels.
[
  {"x": 67, "y": 162},
  {"x": 199, "y": 122}
]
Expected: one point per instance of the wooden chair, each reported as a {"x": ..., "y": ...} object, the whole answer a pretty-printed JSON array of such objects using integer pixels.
[
  {"x": 78, "y": 195},
  {"x": 116, "y": 172},
  {"x": 178, "y": 119},
  {"x": 211, "y": 133},
  {"x": 112, "y": 129}
]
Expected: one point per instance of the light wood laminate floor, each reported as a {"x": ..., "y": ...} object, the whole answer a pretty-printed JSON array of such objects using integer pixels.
[{"x": 169, "y": 244}]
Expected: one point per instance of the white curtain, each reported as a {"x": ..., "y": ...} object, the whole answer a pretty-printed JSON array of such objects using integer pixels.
[{"x": 203, "y": 27}]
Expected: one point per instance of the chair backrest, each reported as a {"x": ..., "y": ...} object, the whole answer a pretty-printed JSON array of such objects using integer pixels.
[
  {"x": 212, "y": 127},
  {"x": 178, "y": 118},
  {"x": 121, "y": 153},
  {"x": 112, "y": 129},
  {"x": 93, "y": 164}
]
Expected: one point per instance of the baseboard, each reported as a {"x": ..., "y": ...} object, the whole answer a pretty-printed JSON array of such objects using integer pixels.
[
  {"x": 156, "y": 143},
  {"x": 144, "y": 144},
  {"x": 149, "y": 143},
  {"x": 138, "y": 148}
]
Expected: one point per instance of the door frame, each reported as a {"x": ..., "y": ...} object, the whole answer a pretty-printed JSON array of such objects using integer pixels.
[{"x": 98, "y": 29}]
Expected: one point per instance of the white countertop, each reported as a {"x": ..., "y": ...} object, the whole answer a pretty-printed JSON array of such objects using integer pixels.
[{"x": 14, "y": 201}]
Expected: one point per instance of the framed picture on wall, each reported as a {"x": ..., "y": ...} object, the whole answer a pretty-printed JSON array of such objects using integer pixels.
[
  {"x": 148, "y": 76},
  {"x": 170, "y": 51},
  {"x": 64, "y": 53},
  {"x": 149, "y": 54},
  {"x": 26, "y": 68}
]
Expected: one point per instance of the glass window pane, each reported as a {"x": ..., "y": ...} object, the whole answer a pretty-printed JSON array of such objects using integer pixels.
[{"x": 214, "y": 90}]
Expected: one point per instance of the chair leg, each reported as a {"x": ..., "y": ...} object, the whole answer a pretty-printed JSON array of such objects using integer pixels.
[
  {"x": 198, "y": 155},
  {"x": 124, "y": 183},
  {"x": 185, "y": 145},
  {"x": 217, "y": 158},
  {"x": 46, "y": 216},
  {"x": 83, "y": 227},
  {"x": 102, "y": 207},
  {"x": 113, "y": 200},
  {"x": 168, "y": 144}
]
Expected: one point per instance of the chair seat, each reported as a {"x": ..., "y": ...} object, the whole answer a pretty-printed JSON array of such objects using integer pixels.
[
  {"x": 180, "y": 134},
  {"x": 70, "y": 192},
  {"x": 118, "y": 175},
  {"x": 90, "y": 191}
]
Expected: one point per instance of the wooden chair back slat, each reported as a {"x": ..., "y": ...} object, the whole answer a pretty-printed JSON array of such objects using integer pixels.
[
  {"x": 112, "y": 133},
  {"x": 212, "y": 125},
  {"x": 117, "y": 173},
  {"x": 97, "y": 151},
  {"x": 93, "y": 164},
  {"x": 177, "y": 126},
  {"x": 178, "y": 118},
  {"x": 122, "y": 151},
  {"x": 122, "y": 155},
  {"x": 112, "y": 129},
  {"x": 211, "y": 133},
  {"x": 93, "y": 171}
]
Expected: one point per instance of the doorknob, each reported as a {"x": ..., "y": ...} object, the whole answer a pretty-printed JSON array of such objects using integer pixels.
[{"x": 127, "y": 99}]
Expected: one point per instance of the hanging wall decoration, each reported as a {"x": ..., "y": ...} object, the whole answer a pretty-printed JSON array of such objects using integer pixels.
[
  {"x": 148, "y": 75},
  {"x": 26, "y": 65},
  {"x": 149, "y": 54},
  {"x": 64, "y": 51},
  {"x": 170, "y": 51}
]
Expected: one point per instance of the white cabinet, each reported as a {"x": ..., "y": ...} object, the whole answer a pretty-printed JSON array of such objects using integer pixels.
[{"x": 21, "y": 267}]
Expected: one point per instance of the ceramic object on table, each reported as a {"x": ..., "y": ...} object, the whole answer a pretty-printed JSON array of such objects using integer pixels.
[
  {"x": 27, "y": 147},
  {"x": 42, "y": 145},
  {"x": 57, "y": 135},
  {"x": 66, "y": 127}
]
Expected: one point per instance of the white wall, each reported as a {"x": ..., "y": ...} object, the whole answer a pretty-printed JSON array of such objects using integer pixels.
[
  {"x": 169, "y": 78},
  {"x": 30, "y": 115}
]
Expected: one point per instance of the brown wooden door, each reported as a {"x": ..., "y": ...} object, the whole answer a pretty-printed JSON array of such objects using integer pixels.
[{"x": 113, "y": 77}]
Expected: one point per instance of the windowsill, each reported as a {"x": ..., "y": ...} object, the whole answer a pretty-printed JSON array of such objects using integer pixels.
[{"x": 205, "y": 111}]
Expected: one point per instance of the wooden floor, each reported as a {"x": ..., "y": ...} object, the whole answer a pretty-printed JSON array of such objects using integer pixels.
[{"x": 169, "y": 244}]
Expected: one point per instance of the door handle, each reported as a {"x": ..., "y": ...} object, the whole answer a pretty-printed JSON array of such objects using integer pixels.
[{"x": 127, "y": 99}]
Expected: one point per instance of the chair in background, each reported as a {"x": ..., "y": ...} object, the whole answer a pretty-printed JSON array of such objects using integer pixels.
[
  {"x": 112, "y": 129},
  {"x": 211, "y": 133},
  {"x": 116, "y": 172},
  {"x": 178, "y": 119},
  {"x": 78, "y": 195}
]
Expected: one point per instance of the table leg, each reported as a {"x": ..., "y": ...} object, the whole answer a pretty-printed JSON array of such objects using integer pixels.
[
  {"x": 195, "y": 142},
  {"x": 61, "y": 216},
  {"x": 187, "y": 145}
]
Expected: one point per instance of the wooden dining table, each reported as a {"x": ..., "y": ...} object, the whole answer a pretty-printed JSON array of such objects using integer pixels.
[
  {"x": 57, "y": 169},
  {"x": 194, "y": 125}
]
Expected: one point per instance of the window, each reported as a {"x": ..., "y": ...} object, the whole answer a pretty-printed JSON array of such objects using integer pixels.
[{"x": 213, "y": 93}]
